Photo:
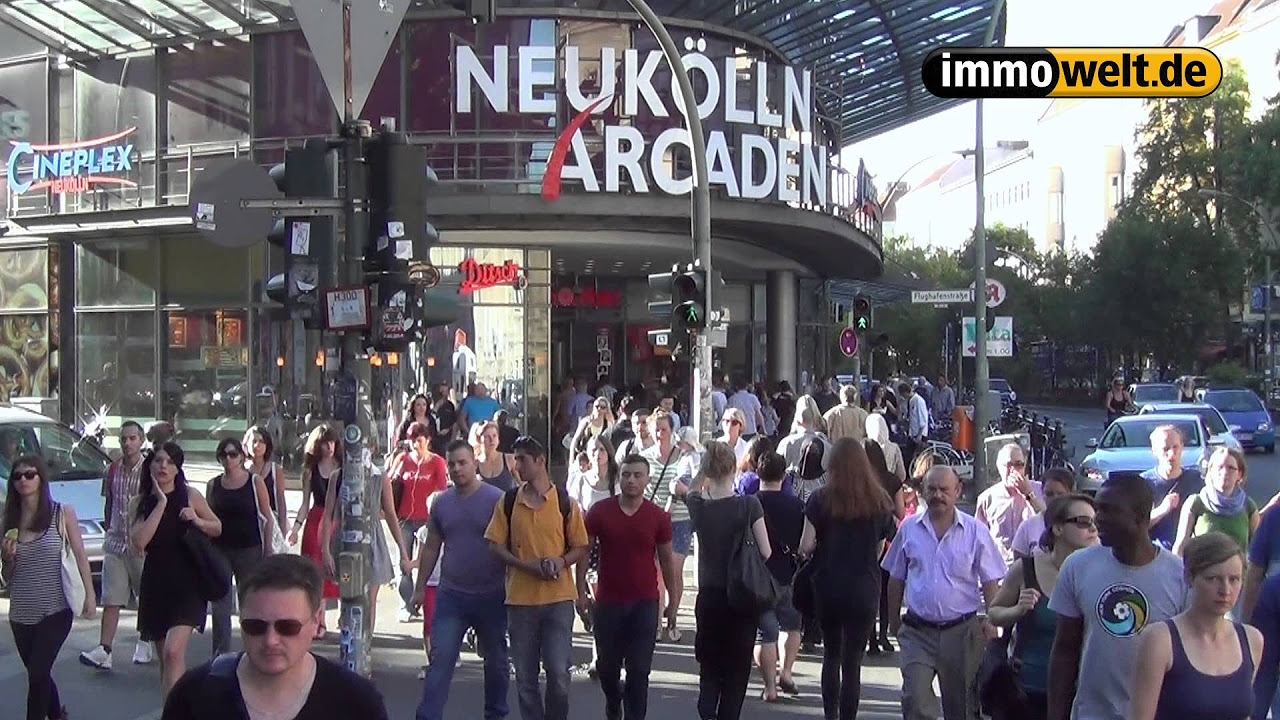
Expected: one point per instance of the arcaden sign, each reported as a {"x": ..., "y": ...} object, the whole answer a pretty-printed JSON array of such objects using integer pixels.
[{"x": 789, "y": 168}]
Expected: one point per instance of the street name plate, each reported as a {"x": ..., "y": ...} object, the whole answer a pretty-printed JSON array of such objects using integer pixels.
[{"x": 941, "y": 297}]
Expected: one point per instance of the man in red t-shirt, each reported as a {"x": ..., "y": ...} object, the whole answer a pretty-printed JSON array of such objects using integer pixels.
[
  {"x": 420, "y": 472},
  {"x": 628, "y": 530}
]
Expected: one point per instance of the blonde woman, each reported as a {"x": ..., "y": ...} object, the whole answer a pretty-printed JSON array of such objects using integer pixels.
[
  {"x": 599, "y": 422},
  {"x": 1221, "y": 504},
  {"x": 807, "y": 425}
]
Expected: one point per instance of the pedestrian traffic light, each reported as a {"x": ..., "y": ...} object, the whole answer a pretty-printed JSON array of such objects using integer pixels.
[
  {"x": 399, "y": 181},
  {"x": 689, "y": 298},
  {"x": 861, "y": 313},
  {"x": 306, "y": 240}
]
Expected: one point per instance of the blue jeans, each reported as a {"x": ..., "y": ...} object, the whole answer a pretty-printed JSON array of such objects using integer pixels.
[
  {"x": 542, "y": 635},
  {"x": 455, "y": 612},
  {"x": 404, "y": 581},
  {"x": 625, "y": 638}
]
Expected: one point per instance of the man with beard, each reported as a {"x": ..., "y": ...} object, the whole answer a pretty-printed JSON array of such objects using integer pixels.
[{"x": 1104, "y": 597}]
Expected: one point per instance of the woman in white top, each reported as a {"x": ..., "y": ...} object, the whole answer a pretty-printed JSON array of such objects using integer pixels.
[
  {"x": 600, "y": 480},
  {"x": 878, "y": 430},
  {"x": 664, "y": 463},
  {"x": 733, "y": 421}
]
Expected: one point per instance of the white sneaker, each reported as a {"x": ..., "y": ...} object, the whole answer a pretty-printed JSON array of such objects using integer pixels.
[
  {"x": 98, "y": 658},
  {"x": 143, "y": 653}
]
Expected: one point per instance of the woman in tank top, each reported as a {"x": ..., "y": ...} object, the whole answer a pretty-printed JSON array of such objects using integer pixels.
[
  {"x": 262, "y": 452},
  {"x": 1200, "y": 665},
  {"x": 320, "y": 467},
  {"x": 1069, "y": 526},
  {"x": 1117, "y": 401},
  {"x": 34, "y": 528},
  {"x": 494, "y": 467}
]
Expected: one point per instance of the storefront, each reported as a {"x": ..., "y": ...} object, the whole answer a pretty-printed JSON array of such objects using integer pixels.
[{"x": 564, "y": 178}]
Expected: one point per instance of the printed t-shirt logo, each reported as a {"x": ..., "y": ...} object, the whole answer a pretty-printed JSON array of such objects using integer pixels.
[{"x": 1123, "y": 610}]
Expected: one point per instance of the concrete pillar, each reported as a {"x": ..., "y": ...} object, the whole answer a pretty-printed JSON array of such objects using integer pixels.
[{"x": 780, "y": 325}]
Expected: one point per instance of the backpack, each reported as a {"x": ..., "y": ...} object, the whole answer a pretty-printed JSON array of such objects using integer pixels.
[
  {"x": 810, "y": 465},
  {"x": 562, "y": 497}
]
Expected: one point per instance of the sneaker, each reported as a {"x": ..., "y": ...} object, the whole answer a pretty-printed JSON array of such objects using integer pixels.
[
  {"x": 143, "y": 654},
  {"x": 404, "y": 616},
  {"x": 98, "y": 658}
]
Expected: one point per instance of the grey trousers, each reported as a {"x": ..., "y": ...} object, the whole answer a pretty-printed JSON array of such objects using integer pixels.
[
  {"x": 952, "y": 656},
  {"x": 242, "y": 561}
]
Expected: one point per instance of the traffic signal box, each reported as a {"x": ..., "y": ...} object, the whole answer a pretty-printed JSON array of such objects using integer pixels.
[{"x": 307, "y": 240}]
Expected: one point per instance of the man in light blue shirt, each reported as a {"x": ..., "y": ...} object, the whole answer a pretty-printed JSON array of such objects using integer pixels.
[{"x": 478, "y": 407}]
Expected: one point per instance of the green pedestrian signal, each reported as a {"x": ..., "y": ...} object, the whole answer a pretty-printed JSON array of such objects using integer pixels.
[
  {"x": 861, "y": 313},
  {"x": 689, "y": 295},
  {"x": 863, "y": 324}
]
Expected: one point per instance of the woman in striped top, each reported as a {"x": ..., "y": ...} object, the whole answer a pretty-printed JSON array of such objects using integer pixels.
[{"x": 38, "y": 613}]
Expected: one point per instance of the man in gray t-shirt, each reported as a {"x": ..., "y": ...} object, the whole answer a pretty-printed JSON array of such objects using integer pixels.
[{"x": 1105, "y": 596}]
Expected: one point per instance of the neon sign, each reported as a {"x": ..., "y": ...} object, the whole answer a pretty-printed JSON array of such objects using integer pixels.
[
  {"x": 71, "y": 167},
  {"x": 478, "y": 276}
]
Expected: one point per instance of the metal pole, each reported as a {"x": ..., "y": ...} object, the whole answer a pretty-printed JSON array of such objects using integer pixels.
[
  {"x": 981, "y": 370},
  {"x": 1266, "y": 326},
  {"x": 703, "y": 420},
  {"x": 355, "y": 563}
]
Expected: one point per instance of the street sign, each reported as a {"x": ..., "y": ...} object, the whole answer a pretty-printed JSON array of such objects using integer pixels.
[
  {"x": 215, "y": 202},
  {"x": 373, "y": 27},
  {"x": 849, "y": 342},
  {"x": 996, "y": 292},
  {"x": 999, "y": 338},
  {"x": 660, "y": 338},
  {"x": 941, "y": 297}
]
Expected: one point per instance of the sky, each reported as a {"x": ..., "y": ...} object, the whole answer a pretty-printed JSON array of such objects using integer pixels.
[{"x": 1032, "y": 23}]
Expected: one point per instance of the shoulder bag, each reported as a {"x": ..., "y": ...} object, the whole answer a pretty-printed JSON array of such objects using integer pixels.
[
  {"x": 752, "y": 588},
  {"x": 211, "y": 570},
  {"x": 72, "y": 583},
  {"x": 1000, "y": 692},
  {"x": 273, "y": 542}
]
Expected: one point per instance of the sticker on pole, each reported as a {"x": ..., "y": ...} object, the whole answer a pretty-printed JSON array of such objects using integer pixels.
[{"x": 849, "y": 342}]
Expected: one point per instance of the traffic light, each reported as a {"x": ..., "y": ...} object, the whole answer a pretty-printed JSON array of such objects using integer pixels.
[
  {"x": 478, "y": 10},
  {"x": 307, "y": 240},
  {"x": 861, "y": 314},
  {"x": 399, "y": 180},
  {"x": 689, "y": 298}
]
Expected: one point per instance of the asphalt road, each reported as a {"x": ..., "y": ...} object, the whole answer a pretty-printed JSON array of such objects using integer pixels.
[{"x": 1081, "y": 424}]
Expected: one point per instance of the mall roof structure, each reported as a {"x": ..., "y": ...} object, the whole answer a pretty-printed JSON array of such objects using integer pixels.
[{"x": 866, "y": 53}]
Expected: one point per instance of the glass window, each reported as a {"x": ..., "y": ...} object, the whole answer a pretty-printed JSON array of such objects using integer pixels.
[
  {"x": 112, "y": 95},
  {"x": 290, "y": 98},
  {"x": 116, "y": 273},
  {"x": 115, "y": 366},
  {"x": 208, "y": 92},
  {"x": 24, "y": 279},
  {"x": 205, "y": 375},
  {"x": 199, "y": 273}
]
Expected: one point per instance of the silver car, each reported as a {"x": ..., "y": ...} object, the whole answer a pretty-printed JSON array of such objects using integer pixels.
[
  {"x": 1219, "y": 431},
  {"x": 1125, "y": 448},
  {"x": 77, "y": 466}
]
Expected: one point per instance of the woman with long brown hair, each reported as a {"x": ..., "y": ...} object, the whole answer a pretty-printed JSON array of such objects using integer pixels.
[
  {"x": 320, "y": 467},
  {"x": 847, "y": 522}
]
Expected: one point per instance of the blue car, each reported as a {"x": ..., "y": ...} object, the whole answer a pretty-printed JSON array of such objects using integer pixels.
[{"x": 1246, "y": 415}]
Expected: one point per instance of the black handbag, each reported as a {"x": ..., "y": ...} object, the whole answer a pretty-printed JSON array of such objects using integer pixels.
[
  {"x": 1000, "y": 692},
  {"x": 752, "y": 588},
  {"x": 211, "y": 569},
  {"x": 804, "y": 594}
]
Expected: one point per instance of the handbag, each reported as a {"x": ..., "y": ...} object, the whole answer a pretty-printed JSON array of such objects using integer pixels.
[
  {"x": 273, "y": 542},
  {"x": 211, "y": 570},
  {"x": 72, "y": 583},
  {"x": 752, "y": 588},
  {"x": 1000, "y": 692},
  {"x": 804, "y": 594}
]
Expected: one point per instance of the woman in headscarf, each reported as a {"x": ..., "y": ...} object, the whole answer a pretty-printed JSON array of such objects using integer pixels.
[{"x": 878, "y": 430}]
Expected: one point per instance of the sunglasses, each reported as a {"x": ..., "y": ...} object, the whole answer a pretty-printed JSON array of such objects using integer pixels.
[
  {"x": 258, "y": 628},
  {"x": 28, "y": 474},
  {"x": 1084, "y": 522},
  {"x": 232, "y": 454}
]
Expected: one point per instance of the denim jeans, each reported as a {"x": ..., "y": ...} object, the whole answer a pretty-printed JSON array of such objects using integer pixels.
[
  {"x": 624, "y": 636},
  {"x": 409, "y": 533},
  {"x": 242, "y": 562},
  {"x": 542, "y": 635},
  {"x": 455, "y": 612}
]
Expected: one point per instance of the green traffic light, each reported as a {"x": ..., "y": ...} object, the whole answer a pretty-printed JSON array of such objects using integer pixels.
[{"x": 862, "y": 323}]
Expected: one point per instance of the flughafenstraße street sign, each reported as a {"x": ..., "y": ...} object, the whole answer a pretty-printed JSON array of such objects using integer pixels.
[{"x": 941, "y": 297}]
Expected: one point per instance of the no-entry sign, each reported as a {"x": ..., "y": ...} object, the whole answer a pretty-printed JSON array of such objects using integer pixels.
[{"x": 849, "y": 342}]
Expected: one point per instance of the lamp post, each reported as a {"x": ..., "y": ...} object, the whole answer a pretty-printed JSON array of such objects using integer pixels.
[{"x": 1269, "y": 242}]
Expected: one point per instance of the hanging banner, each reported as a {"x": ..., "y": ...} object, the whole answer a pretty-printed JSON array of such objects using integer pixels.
[{"x": 999, "y": 339}]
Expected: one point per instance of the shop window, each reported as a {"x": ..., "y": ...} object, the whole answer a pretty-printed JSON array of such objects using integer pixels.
[
  {"x": 199, "y": 273},
  {"x": 115, "y": 366},
  {"x": 208, "y": 93},
  {"x": 116, "y": 273},
  {"x": 204, "y": 372},
  {"x": 24, "y": 277},
  {"x": 112, "y": 95}
]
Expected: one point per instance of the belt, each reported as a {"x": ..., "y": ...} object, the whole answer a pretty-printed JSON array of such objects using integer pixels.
[{"x": 915, "y": 621}]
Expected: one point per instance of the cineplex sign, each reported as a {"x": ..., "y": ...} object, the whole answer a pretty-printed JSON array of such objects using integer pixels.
[{"x": 791, "y": 169}]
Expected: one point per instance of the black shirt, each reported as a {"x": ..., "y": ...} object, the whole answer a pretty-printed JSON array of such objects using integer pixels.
[
  {"x": 848, "y": 552},
  {"x": 507, "y": 437},
  {"x": 784, "y": 519},
  {"x": 336, "y": 694},
  {"x": 719, "y": 524}
]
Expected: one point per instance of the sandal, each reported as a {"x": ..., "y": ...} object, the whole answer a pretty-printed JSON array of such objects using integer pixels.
[
  {"x": 788, "y": 686},
  {"x": 674, "y": 634},
  {"x": 764, "y": 696}
]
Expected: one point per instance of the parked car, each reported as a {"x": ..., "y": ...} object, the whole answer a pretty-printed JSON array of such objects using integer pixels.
[
  {"x": 1147, "y": 393},
  {"x": 76, "y": 465},
  {"x": 1007, "y": 394},
  {"x": 1245, "y": 414},
  {"x": 1125, "y": 447},
  {"x": 1219, "y": 431}
]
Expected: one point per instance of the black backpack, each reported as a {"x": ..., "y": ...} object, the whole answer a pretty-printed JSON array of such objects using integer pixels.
[
  {"x": 810, "y": 465},
  {"x": 562, "y": 497}
]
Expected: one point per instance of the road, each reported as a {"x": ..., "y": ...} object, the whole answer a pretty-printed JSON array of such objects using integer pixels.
[{"x": 1081, "y": 424}]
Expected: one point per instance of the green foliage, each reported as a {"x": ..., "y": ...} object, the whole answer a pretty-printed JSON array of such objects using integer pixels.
[{"x": 1227, "y": 374}]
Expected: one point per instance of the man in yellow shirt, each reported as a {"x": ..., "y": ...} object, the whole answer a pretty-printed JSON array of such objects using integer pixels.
[{"x": 539, "y": 533}]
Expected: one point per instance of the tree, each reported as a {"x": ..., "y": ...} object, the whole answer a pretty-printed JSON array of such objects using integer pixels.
[{"x": 916, "y": 331}]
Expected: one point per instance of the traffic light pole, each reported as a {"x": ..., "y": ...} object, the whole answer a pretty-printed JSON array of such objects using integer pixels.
[{"x": 703, "y": 418}]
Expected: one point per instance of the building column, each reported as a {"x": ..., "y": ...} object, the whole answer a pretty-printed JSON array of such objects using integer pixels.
[{"x": 780, "y": 325}]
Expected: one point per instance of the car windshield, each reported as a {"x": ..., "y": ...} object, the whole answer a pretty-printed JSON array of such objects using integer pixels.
[
  {"x": 1137, "y": 433},
  {"x": 1212, "y": 419},
  {"x": 1155, "y": 393},
  {"x": 1234, "y": 401},
  {"x": 68, "y": 456},
  {"x": 1000, "y": 385}
]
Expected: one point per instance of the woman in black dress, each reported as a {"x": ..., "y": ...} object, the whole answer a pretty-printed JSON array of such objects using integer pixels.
[{"x": 170, "y": 604}]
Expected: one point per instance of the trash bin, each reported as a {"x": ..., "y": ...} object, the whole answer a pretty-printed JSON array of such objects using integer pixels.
[{"x": 962, "y": 427}]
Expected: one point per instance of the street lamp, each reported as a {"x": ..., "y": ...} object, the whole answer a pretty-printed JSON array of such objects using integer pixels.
[{"x": 1268, "y": 246}]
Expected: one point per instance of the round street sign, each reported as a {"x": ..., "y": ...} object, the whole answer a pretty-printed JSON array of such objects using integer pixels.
[
  {"x": 849, "y": 342},
  {"x": 996, "y": 292}
]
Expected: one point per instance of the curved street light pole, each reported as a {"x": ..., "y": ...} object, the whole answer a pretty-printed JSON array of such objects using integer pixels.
[{"x": 701, "y": 213}]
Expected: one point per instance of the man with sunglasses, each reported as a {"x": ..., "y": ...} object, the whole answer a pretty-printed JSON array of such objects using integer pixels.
[
  {"x": 277, "y": 675},
  {"x": 1003, "y": 507}
]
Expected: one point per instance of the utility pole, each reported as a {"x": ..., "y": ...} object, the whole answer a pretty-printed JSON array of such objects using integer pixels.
[
  {"x": 981, "y": 369},
  {"x": 703, "y": 418}
]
